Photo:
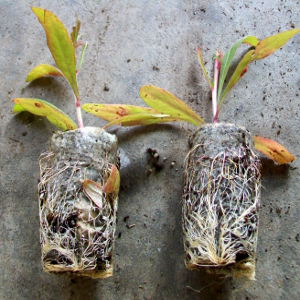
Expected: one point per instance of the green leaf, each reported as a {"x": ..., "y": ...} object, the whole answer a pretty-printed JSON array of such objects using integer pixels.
[
  {"x": 240, "y": 70},
  {"x": 43, "y": 108},
  {"x": 273, "y": 150},
  {"x": 127, "y": 115},
  {"x": 202, "y": 67},
  {"x": 43, "y": 70},
  {"x": 39, "y": 12},
  {"x": 61, "y": 48},
  {"x": 167, "y": 104},
  {"x": 227, "y": 59},
  {"x": 264, "y": 48},
  {"x": 270, "y": 44},
  {"x": 75, "y": 31},
  {"x": 18, "y": 108},
  {"x": 82, "y": 55}
]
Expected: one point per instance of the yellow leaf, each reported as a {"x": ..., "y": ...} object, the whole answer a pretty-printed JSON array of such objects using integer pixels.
[
  {"x": 39, "y": 12},
  {"x": 273, "y": 150},
  {"x": 141, "y": 119},
  {"x": 43, "y": 108},
  {"x": 43, "y": 70},
  {"x": 167, "y": 104},
  {"x": 127, "y": 115},
  {"x": 270, "y": 44}
]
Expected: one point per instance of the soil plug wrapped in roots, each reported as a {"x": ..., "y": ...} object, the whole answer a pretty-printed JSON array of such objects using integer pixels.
[
  {"x": 221, "y": 199},
  {"x": 77, "y": 218},
  {"x": 222, "y": 177}
]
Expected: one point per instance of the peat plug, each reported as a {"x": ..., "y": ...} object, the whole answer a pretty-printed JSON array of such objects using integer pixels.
[{"x": 221, "y": 197}]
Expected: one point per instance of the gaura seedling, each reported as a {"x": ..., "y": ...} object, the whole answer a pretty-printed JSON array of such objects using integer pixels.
[
  {"x": 165, "y": 107},
  {"x": 62, "y": 47}
]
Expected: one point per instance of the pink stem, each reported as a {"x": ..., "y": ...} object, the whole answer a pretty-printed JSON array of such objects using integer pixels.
[
  {"x": 78, "y": 111},
  {"x": 215, "y": 89}
]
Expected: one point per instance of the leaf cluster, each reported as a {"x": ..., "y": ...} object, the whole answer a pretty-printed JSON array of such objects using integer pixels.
[
  {"x": 163, "y": 106},
  {"x": 62, "y": 47}
]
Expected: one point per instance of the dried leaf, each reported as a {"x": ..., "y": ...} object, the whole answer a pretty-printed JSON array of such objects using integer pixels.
[
  {"x": 273, "y": 150},
  {"x": 94, "y": 192},
  {"x": 43, "y": 70},
  {"x": 113, "y": 182},
  {"x": 167, "y": 104},
  {"x": 43, "y": 108}
]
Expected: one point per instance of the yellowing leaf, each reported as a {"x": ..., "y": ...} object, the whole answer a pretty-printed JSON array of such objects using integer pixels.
[
  {"x": 270, "y": 44},
  {"x": 61, "y": 48},
  {"x": 94, "y": 192},
  {"x": 127, "y": 115},
  {"x": 42, "y": 70},
  {"x": 39, "y": 12},
  {"x": 110, "y": 112},
  {"x": 113, "y": 182},
  {"x": 141, "y": 119},
  {"x": 202, "y": 67},
  {"x": 250, "y": 40},
  {"x": 43, "y": 108},
  {"x": 167, "y": 104},
  {"x": 264, "y": 48},
  {"x": 273, "y": 150}
]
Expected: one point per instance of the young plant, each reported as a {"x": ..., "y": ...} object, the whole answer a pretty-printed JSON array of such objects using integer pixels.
[
  {"x": 221, "y": 192},
  {"x": 62, "y": 47},
  {"x": 79, "y": 180}
]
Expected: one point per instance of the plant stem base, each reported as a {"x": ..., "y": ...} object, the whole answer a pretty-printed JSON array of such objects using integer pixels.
[
  {"x": 76, "y": 234},
  {"x": 221, "y": 201}
]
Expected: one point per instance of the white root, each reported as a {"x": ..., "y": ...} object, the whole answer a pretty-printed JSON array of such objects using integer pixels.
[
  {"x": 220, "y": 210},
  {"x": 76, "y": 235}
]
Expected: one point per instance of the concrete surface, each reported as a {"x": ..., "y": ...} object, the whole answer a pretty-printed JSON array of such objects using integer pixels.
[{"x": 132, "y": 43}]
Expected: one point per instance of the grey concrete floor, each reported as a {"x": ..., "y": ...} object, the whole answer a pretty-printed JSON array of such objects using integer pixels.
[{"x": 132, "y": 43}]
